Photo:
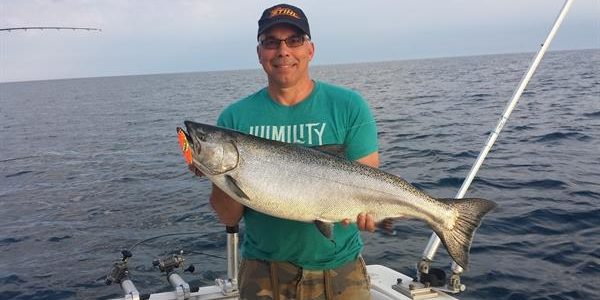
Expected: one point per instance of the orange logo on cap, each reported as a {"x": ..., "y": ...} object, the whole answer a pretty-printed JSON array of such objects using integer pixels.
[{"x": 283, "y": 11}]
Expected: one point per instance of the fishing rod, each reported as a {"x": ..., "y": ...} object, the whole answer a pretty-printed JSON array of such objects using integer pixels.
[
  {"x": 434, "y": 240},
  {"x": 50, "y": 27}
]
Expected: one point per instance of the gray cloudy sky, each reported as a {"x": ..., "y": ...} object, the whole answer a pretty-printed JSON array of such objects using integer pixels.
[{"x": 172, "y": 36}]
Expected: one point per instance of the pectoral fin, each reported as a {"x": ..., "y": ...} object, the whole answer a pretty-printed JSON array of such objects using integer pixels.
[
  {"x": 235, "y": 188},
  {"x": 326, "y": 228}
]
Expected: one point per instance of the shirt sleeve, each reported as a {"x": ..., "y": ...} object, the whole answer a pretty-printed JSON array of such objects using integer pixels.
[
  {"x": 361, "y": 134},
  {"x": 225, "y": 119}
]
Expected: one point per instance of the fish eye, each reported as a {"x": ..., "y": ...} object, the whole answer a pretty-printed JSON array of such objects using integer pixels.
[{"x": 201, "y": 136}]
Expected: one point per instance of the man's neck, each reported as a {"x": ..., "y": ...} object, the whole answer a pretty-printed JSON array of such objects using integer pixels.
[{"x": 292, "y": 95}]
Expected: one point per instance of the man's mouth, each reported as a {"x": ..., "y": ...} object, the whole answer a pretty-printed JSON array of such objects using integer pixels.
[{"x": 284, "y": 64}]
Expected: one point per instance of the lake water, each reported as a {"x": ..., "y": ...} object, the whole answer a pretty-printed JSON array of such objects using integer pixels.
[{"x": 91, "y": 166}]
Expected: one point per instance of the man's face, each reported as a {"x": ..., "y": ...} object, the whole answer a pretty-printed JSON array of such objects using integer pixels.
[{"x": 285, "y": 66}]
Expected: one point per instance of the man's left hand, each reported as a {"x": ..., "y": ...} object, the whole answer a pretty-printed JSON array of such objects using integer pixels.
[{"x": 365, "y": 222}]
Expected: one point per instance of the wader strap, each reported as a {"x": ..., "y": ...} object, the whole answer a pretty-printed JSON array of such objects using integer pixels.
[
  {"x": 328, "y": 284},
  {"x": 274, "y": 280}
]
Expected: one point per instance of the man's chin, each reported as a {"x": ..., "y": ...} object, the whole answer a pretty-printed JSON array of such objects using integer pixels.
[
  {"x": 283, "y": 79},
  {"x": 285, "y": 71}
]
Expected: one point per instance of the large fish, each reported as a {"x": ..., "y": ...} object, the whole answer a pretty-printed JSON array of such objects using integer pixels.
[{"x": 305, "y": 184}]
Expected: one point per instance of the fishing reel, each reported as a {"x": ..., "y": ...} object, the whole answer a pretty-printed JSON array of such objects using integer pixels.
[
  {"x": 168, "y": 264},
  {"x": 119, "y": 271},
  {"x": 437, "y": 278},
  {"x": 120, "y": 274}
]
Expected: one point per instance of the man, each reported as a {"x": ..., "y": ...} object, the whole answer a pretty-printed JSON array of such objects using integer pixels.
[{"x": 284, "y": 259}]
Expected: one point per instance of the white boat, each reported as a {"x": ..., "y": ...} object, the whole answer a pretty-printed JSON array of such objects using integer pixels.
[{"x": 384, "y": 286}]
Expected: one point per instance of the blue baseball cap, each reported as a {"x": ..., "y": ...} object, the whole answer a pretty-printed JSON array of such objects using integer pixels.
[{"x": 283, "y": 14}]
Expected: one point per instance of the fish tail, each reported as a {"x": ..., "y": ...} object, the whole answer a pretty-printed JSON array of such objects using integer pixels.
[{"x": 457, "y": 239}]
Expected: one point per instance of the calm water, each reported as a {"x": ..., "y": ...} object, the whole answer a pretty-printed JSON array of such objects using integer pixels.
[{"x": 91, "y": 166}]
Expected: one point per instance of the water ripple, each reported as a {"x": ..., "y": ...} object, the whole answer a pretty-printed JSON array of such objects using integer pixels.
[{"x": 68, "y": 207}]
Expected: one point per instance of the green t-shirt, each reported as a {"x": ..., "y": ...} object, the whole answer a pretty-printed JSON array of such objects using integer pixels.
[{"x": 329, "y": 115}]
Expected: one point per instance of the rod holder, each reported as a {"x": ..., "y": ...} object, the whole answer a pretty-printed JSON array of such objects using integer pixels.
[
  {"x": 182, "y": 288},
  {"x": 229, "y": 286},
  {"x": 129, "y": 289}
]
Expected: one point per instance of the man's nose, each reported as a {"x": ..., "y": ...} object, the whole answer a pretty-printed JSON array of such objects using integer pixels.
[{"x": 283, "y": 49}]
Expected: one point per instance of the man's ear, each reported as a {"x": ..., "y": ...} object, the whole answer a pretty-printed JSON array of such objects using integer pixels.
[{"x": 258, "y": 54}]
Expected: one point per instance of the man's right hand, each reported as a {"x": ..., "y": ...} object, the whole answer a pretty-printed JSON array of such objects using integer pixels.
[{"x": 195, "y": 170}]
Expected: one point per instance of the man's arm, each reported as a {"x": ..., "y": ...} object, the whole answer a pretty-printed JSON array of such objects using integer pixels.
[
  {"x": 229, "y": 211},
  {"x": 371, "y": 160}
]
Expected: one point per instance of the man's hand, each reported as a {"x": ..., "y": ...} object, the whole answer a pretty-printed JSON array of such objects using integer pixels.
[
  {"x": 365, "y": 222},
  {"x": 195, "y": 170},
  {"x": 387, "y": 224}
]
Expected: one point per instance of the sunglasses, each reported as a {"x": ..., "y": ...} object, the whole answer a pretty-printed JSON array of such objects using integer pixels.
[{"x": 292, "y": 42}]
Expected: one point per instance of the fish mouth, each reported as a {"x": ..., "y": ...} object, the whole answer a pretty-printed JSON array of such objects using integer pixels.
[
  {"x": 189, "y": 149},
  {"x": 185, "y": 143}
]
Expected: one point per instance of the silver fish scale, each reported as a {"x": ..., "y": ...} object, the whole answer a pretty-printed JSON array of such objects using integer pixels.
[
  {"x": 302, "y": 184},
  {"x": 307, "y": 185}
]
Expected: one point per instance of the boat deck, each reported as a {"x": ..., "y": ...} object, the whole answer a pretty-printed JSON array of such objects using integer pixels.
[{"x": 383, "y": 280}]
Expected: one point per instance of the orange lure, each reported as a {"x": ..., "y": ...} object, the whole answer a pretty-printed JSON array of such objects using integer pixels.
[{"x": 185, "y": 146}]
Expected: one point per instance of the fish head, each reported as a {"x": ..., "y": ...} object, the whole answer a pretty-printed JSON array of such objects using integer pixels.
[{"x": 213, "y": 150}]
